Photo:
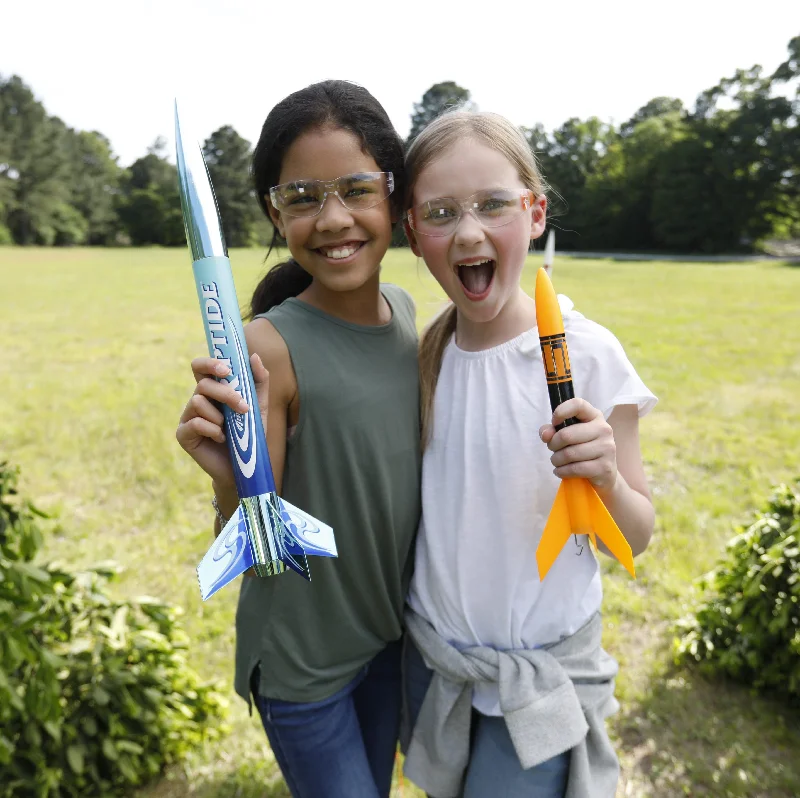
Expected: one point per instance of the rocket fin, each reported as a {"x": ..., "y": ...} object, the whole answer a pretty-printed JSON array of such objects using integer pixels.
[
  {"x": 291, "y": 535},
  {"x": 556, "y": 533},
  {"x": 606, "y": 529},
  {"x": 293, "y": 556},
  {"x": 314, "y": 536},
  {"x": 230, "y": 555}
]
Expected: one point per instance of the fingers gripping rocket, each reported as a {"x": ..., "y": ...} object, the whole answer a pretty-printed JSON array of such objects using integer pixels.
[
  {"x": 577, "y": 509},
  {"x": 265, "y": 533}
]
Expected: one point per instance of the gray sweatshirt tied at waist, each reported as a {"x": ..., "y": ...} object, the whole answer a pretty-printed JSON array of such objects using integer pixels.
[{"x": 553, "y": 699}]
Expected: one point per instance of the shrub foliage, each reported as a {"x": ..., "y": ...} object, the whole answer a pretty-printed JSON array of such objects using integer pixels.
[
  {"x": 95, "y": 692},
  {"x": 748, "y": 626}
]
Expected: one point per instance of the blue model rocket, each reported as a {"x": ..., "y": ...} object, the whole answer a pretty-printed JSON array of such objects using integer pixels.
[{"x": 265, "y": 533}]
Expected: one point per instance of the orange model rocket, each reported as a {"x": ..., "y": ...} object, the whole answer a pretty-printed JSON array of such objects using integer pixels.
[{"x": 577, "y": 509}]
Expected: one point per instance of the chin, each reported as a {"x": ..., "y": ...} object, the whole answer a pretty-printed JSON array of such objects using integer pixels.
[
  {"x": 481, "y": 312},
  {"x": 347, "y": 281},
  {"x": 481, "y": 315}
]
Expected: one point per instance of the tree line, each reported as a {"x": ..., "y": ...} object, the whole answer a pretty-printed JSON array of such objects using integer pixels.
[
  {"x": 719, "y": 177},
  {"x": 60, "y": 186}
]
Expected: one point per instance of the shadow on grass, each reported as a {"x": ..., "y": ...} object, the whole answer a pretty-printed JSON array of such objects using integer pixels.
[
  {"x": 693, "y": 736},
  {"x": 237, "y": 784},
  {"x": 249, "y": 780}
]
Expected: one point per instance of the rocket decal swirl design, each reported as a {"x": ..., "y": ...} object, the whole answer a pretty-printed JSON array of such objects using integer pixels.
[
  {"x": 242, "y": 426},
  {"x": 231, "y": 550}
]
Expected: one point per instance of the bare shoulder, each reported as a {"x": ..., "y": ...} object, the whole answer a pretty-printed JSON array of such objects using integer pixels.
[{"x": 265, "y": 341}]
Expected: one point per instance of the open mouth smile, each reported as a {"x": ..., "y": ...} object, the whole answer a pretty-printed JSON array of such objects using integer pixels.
[{"x": 476, "y": 277}]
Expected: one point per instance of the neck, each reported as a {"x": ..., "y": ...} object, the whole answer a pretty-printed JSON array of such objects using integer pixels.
[
  {"x": 364, "y": 305},
  {"x": 517, "y": 316}
]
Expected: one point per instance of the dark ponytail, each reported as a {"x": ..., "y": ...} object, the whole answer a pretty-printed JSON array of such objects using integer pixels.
[
  {"x": 282, "y": 281},
  {"x": 332, "y": 103}
]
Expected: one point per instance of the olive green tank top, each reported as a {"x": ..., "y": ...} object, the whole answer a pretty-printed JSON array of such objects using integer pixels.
[{"x": 353, "y": 461}]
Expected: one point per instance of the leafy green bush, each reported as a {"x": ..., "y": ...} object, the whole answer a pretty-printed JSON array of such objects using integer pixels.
[
  {"x": 95, "y": 693},
  {"x": 749, "y": 626}
]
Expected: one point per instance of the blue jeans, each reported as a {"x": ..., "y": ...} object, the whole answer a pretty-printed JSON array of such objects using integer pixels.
[
  {"x": 494, "y": 770},
  {"x": 343, "y": 746}
]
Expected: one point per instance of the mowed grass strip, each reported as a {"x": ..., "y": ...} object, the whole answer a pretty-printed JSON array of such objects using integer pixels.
[{"x": 100, "y": 343}]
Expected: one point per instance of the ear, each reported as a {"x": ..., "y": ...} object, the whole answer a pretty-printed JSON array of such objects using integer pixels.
[
  {"x": 412, "y": 239},
  {"x": 275, "y": 217},
  {"x": 539, "y": 216}
]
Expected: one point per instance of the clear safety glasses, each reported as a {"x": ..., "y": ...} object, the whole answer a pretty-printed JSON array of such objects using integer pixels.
[
  {"x": 357, "y": 192},
  {"x": 492, "y": 208}
]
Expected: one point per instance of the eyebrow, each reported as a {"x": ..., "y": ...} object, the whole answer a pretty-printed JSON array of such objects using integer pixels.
[
  {"x": 470, "y": 196},
  {"x": 305, "y": 182},
  {"x": 358, "y": 177},
  {"x": 439, "y": 199}
]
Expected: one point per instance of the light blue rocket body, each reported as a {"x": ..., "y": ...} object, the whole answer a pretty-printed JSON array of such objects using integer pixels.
[
  {"x": 226, "y": 342},
  {"x": 266, "y": 533}
]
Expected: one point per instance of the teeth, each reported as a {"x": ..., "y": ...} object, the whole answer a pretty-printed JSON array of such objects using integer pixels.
[
  {"x": 477, "y": 263},
  {"x": 338, "y": 254}
]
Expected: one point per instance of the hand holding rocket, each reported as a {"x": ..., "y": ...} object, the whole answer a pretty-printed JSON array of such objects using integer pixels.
[{"x": 577, "y": 508}]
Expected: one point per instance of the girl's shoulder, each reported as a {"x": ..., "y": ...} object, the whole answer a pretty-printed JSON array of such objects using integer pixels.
[
  {"x": 265, "y": 341},
  {"x": 602, "y": 371},
  {"x": 587, "y": 335},
  {"x": 399, "y": 299}
]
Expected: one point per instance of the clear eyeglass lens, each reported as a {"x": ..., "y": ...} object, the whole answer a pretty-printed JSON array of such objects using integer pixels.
[
  {"x": 357, "y": 192},
  {"x": 492, "y": 208}
]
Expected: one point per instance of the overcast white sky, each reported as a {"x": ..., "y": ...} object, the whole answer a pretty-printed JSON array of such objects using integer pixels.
[{"x": 115, "y": 66}]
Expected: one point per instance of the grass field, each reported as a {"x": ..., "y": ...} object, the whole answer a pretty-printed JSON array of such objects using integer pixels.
[{"x": 99, "y": 343}]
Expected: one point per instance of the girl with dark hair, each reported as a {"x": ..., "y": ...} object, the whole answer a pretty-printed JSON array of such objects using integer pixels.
[{"x": 334, "y": 358}]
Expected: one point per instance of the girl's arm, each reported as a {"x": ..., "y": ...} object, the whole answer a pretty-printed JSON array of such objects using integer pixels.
[
  {"x": 607, "y": 454},
  {"x": 629, "y": 500}
]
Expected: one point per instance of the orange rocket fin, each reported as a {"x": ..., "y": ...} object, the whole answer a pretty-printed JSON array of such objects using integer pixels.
[
  {"x": 556, "y": 533},
  {"x": 601, "y": 525},
  {"x": 605, "y": 528}
]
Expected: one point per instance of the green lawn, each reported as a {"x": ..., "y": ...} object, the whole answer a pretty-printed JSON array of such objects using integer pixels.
[{"x": 99, "y": 344}]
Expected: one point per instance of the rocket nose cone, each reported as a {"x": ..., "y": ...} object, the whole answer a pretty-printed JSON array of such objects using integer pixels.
[
  {"x": 548, "y": 313},
  {"x": 198, "y": 203}
]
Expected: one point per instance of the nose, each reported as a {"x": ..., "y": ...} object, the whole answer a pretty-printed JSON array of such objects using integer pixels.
[
  {"x": 334, "y": 215},
  {"x": 469, "y": 231}
]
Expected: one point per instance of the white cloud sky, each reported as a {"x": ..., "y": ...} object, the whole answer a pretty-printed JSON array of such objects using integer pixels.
[{"x": 117, "y": 66}]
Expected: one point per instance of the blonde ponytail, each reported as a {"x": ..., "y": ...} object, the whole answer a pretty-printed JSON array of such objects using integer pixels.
[{"x": 431, "y": 349}]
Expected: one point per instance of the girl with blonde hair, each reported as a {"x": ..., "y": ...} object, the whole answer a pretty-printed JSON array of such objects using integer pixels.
[{"x": 507, "y": 686}]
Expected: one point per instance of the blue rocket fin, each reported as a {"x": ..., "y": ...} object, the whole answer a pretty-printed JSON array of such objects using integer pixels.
[
  {"x": 315, "y": 537},
  {"x": 288, "y": 536},
  {"x": 230, "y": 556}
]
